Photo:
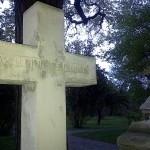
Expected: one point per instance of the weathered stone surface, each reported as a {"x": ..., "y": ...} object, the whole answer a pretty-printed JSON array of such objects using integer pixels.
[
  {"x": 140, "y": 127},
  {"x": 81, "y": 70},
  {"x": 55, "y": 69},
  {"x": 134, "y": 141},
  {"x": 44, "y": 70},
  {"x": 145, "y": 107},
  {"x": 21, "y": 64},
  {"x": 138, "y": 135}
]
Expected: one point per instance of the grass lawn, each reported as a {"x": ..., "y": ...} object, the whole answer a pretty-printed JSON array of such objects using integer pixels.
[
  {"x": 109, "y": 136},
  {"x": 107, "y": 122},
  {"x": 7, "y": 143}
]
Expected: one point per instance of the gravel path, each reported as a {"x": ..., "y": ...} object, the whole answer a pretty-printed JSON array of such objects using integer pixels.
[
  {"x": 76, "y": 143},
  {"x": 69, "y": 132}
]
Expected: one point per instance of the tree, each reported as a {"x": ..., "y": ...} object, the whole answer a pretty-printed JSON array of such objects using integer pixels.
[
  {"x": 79, "y": 100},
  {"x": 13, "y": 116},
  {"x": 84, "y": 101},
  {"x": 7, "y": 92},
  {"x": 131, "y": 38},
  {"x": 131, "y": 33},
  {"x": 91, "y": 100},
  {"x": 106, "y": 94},
  {"x": 7, "y": 109},
  {"x": 7, "y": 24},
  {"x": 99, "y": 93}
]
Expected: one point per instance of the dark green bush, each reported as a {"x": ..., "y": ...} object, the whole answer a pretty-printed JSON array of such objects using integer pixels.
[{"x": 134, "y": 116}]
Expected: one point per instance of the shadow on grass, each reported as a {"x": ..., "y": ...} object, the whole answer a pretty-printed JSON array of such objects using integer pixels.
[
  {"x": 107, "y": 122},
  {"x": 7, "y": 143}
]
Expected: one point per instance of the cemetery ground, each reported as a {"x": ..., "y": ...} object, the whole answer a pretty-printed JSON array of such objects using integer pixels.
[
  {"x": 106, "y": 122},
  {"x": 110, "y": 128},
  {"x": 7, "y": 143}
]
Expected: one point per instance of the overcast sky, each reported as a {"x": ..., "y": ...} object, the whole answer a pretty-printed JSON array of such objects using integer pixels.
[{"x": 4, "y": 5}]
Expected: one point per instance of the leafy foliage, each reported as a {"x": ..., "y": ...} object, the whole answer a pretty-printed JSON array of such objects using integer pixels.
[
  {"x": 91, "y": 100},
  {"x": 7, "y": 92},
  {"x": 7, "y": 143},
  {"x": 7, "y": 109},
  {"x": 7, "y": 24},
  {"x": 133, "y": 116},
  {"x": 131, "y": 38},
  {"x": 130, "y": 32}
]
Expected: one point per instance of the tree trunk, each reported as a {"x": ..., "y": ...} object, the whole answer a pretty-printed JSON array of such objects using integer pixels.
[
  {"x": 99, "y": 114},
  {"x": 111, "y": 110},
  {"x": 76, "y": 121},
  {"x": 18, "y": 94},
  {"x": 20, "y": 7}
]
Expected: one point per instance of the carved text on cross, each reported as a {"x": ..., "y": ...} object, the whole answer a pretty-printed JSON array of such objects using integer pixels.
[{"x": 43, "y": 64}]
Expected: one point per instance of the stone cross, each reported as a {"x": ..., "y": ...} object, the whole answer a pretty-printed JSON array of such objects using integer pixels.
[{"x": 44, "y": 70}]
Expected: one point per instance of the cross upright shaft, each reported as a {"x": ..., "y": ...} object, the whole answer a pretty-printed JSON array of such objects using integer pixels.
[{"x": 44, "y": 28}]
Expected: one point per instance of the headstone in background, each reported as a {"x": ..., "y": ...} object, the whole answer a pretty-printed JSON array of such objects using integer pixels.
[{"x": 138, "y": 135}]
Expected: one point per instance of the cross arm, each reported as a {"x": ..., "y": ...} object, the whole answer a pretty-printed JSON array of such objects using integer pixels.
[
  {"x": 79, "y": 70},
  {"x": 13, "y": 49},
  {"x": 13, "y": 62}
]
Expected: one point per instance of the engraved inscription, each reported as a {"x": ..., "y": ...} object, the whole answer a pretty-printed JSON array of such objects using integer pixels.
[
  {"x": 8, "y": 61},
  {"x": 76, "y": 68},
  {"x": 29, "y": 62},
  {"x": 80, "y": 80},
  {"x": 5, "y": 61}
]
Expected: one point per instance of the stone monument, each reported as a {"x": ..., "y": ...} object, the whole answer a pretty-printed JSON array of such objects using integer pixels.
[
  {"x": 138, "y": 135},
  {"x": 44, "y": 70}
]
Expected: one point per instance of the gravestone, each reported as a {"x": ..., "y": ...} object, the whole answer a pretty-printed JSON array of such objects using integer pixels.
[
  {"x": 138, "y": 135},
  {"x": 44, "y": 70}
]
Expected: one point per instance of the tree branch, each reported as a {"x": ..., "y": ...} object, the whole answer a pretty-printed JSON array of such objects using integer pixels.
[
  {"x": 2, "y": 1},
  {"x": 85, "y": 20},
  {"x": 80, "y": 11}
]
